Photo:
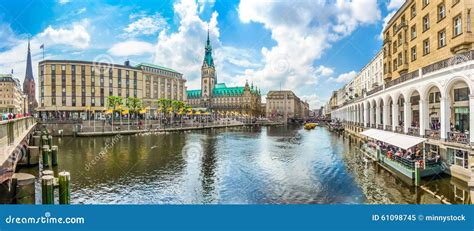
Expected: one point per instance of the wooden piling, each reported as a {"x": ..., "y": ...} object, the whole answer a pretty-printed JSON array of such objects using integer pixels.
[
  {"x": 54, "y": 155},
  {"x": 44, "y": 140},
  {"x": 47, "y": 173},
  {"x": 45, "y": 155},
  {"x": 37, "y": 141},
  {"x": 50, "y": 140},
  {"x": 33, "y": 155},
  {"x": 25, "y": 188},
  {"x": 64, "y": 188},
  {"x": 47, "y": 189}
]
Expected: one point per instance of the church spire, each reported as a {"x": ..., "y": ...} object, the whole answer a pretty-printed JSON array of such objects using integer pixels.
[
  {"x": 29, "y": 68},
  {"x": 208, "y": 60}
]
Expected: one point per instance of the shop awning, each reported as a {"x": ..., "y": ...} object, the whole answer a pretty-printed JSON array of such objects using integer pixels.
[{"x": 396, "y": 139}]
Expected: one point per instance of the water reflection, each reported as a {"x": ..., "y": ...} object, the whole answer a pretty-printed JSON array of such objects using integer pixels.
[{"x": 234, "y": 166}]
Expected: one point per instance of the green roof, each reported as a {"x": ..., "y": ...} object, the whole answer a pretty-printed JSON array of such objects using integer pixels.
[
  {"x": 220, "y": 85},
  {"x": 194, "y": 94},
  {"x": 157, "y": 67},
  {"x": 229, "y": 91},
  {"x": 220, "y": 89}
]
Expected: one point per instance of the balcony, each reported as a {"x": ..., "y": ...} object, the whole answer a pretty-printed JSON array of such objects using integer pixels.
[
  {"x": 387, "y": 76},
  {"x": 375, "y": 90},
  {"x": 403, "y": 68},
  {"x": 457, "y": 59},
  {"x": 413, "y": 131},
  {"x": 432, "y": 134},
  {"x": 458, "y": 137},
  {"x": 399, "y": 129},
  {"x": 402, "y": 79}
]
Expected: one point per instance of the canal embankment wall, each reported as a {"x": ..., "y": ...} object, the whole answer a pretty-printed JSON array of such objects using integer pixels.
[{"x": 74, "y": 129}]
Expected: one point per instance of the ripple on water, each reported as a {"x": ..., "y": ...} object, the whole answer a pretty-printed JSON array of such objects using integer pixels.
[{"x": 276, "y": 165}]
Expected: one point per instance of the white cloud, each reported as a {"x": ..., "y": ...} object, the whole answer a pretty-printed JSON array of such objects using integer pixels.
[
  {"x": 76, "y": 36},
  {"x": 313, "y": 100},
  {"x": 62, "y": 2},
  {"x": 145, "y": 24},
  {"x": 131, "y": 48},
  {"x": 345, "y": 77},
  {"x": 385, "y": 22},
  {"x": 13, "y": 55},
  {"x": 302, "y": 33},
  {"x": 395, "y": 4},
  {"x": 324, "y": 71},
  {"x": 183, "y": 50}
]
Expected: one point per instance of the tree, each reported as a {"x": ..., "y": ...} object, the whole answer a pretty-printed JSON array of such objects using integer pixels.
[
  {"x": 134, "y": 105},
  {"x": 113, "y": 102}
]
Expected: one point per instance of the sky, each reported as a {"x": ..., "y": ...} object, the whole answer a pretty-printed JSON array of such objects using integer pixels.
[{"x": 309, "y": 46}]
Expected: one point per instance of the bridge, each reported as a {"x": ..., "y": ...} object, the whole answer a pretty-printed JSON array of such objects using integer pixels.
[{"x": 15, "y": 135}]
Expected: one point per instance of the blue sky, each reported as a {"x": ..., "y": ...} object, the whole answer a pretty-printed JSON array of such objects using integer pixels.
[{"x": 309, "y": 46}]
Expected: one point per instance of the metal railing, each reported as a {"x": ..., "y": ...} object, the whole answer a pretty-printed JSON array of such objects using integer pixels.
[
  {"x": 414, "y": 131},
  {"x": 380, "y": 126},
  {"x": 402, "y": 79},
  {"x": 399, "y": 129},
  {"x": 458, "y": 137},
  {"x": 373, "y": 91},
  {"x": 445, "y": 63},
  {"x": 409, "y": 163},
  {"x": 388, "y": 128},
  {"x": 433, "y": 134}
]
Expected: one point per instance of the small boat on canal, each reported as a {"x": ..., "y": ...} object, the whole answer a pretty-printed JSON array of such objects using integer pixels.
[{"x": 309, "y": 126}]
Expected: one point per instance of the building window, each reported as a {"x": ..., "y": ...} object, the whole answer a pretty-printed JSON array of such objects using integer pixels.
[
  {"x": 425, "y": 3},
  {"x": 458, "y": 157},
  {"x": 442, "y": 38},
  {"x": 413, "y": 11},
  {"x": 457, "y": 21},
  {"x": 426, "y": 46},
  {"x": 413, "y": 32},
  {"x": 426, "y": 22},
  {"x": 435, "y": 97},
  {"x": 441, "y": 12},
  {"x": 469, "y": 20},
  {"x": 461, "y": 94},
  {"x": 413, "y": 53}
]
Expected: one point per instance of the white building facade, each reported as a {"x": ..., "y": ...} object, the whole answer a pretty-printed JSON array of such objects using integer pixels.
[{"x": 435, "y": 102}]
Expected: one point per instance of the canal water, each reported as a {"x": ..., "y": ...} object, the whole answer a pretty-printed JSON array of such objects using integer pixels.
[{"x": 258, "y": 165}]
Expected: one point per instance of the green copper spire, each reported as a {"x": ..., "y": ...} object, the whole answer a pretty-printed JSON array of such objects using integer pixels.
[{"x": 208, "y": 52}]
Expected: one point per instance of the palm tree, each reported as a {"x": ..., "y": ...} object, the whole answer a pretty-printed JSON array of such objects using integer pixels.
[
  {"x": 134, "y": 105},
  {"x": 113, "y": 102},
  {"x": 164, "y": 104}
]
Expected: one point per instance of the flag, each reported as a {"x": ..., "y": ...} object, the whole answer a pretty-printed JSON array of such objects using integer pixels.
[{"x": 42, "y": 46}]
